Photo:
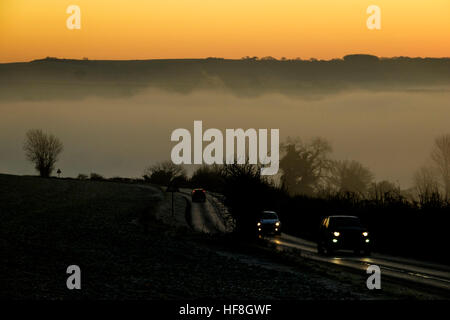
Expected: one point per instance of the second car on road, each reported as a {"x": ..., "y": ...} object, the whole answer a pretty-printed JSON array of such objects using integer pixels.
[{"x": 268, "y": 223}]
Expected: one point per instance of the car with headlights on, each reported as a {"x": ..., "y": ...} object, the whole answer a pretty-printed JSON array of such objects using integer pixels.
[
  {"x": 341, "y": 232},
  {"x": 268, "y": 223}
]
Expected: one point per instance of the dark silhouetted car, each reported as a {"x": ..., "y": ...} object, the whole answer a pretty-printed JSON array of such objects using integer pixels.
[
  {"x": 198, "y": 195},
  {"x": 268, "y": 223},
  {"x": 343, "y": 232}
]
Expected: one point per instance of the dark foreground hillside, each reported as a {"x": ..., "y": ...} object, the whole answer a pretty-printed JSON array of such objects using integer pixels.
[{"x": 48, "y": 224}]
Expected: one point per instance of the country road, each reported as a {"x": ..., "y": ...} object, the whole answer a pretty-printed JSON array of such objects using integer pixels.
[
  {"x": 205, "y": 218},
  {"x": 419, "y": 273},
  {"x": 204, "y": 215}
]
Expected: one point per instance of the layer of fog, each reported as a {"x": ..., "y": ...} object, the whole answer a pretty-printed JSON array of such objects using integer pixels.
[{"x": 391, "y": 133}]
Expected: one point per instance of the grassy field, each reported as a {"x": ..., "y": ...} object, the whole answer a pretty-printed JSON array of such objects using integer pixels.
[{"x": 49, "y": 224}]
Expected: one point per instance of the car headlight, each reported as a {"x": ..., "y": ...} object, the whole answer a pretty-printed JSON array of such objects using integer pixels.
[
  {"x": 365, "y": 234},
  {"x": 258, "y": 224},
  {"x": 277, "y": 223},
  {"x": 336, "y": 234}
]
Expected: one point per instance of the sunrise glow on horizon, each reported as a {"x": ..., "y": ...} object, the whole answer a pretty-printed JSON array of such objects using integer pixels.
[{"x": 136, "y": 29}]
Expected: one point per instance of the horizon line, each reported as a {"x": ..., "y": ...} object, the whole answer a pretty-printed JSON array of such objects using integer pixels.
[{"x": 263, "y": 58}]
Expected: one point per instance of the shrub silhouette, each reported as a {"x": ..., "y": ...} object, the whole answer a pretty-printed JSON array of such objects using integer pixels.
[
  {"x": 164, "y": 172},
  {"x": 96, "y": 177},
  {"x": 208, "y": 177},
  {"x": 82, "y": 176}
]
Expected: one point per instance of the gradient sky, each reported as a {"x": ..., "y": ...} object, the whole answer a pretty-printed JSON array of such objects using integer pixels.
[{"x": 146, "y": 29}]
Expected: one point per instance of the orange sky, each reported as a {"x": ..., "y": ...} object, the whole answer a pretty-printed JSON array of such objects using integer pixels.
[{"x": 146, "y": 29}]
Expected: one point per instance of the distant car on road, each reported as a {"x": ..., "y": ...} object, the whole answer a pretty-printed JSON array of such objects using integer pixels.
[
  {"x": 268, "y": 223},
  {"x": 198, "y": 195},
  {"x": 343, "y": 232}
]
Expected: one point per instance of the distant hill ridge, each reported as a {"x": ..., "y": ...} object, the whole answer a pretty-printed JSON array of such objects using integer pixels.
[{"x": 251, "y": 76}]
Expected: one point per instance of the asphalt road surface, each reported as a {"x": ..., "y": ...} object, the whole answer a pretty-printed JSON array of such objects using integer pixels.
[{"x": 419, "y": 272}]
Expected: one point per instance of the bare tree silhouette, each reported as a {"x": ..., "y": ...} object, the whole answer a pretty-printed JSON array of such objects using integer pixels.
[
  {"x": 351, "y": 176},
  {"x": 441, "y": 158},
  {"x": 42, "y": 150},
  {"x": 384, "y": 190},
  {"x": 426, "y": 184},
  {"x": 304, "y": 165}
]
